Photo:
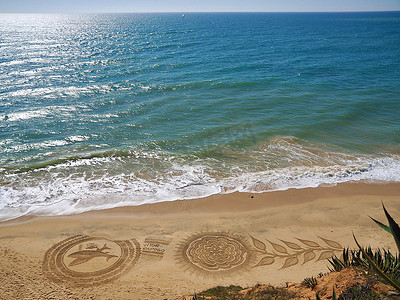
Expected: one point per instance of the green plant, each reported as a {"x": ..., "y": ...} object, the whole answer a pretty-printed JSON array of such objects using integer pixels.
[
  {"x": 385, "y": 264},
  {"x": 345, "y": 261},
  {"x": 310, "y": 282},
  {"x": 355, "y": 292}
]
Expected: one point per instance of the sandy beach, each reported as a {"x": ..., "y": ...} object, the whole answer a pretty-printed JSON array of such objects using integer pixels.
[
  {"x": 170, "y": 249},
  {"x": 151, "y": 150}
]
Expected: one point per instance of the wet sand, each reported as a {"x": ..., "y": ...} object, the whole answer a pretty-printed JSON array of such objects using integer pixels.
[{"x": 170, "y": 249}]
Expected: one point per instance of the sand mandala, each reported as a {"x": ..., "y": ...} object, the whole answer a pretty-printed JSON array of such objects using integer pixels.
[
  {"x": 217, "y": 253},
  {"x": 214, "y": 253},
  {"x": 86, "y": 261}
]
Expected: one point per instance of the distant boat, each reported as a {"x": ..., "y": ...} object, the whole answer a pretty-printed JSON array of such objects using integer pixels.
[{"x": 182, "y": 16}]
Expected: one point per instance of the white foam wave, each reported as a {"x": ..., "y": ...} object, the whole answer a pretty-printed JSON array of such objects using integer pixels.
[
  {"x": 386, "y": 169},
  {"x": 78, "y": 193},
  {"x": 93, "y": 185}
]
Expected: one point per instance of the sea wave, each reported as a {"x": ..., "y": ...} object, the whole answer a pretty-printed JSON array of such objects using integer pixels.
[{"x": 131, "y": 177}]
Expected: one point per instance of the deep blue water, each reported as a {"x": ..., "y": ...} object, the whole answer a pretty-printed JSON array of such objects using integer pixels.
[{"x": 105, "y": 110}]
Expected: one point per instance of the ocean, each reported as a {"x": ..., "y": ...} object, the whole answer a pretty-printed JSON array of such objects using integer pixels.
[{"x": 106, "y": 110}]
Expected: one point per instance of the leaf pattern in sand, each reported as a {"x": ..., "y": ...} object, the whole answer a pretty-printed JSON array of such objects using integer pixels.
[
  {"x": 258, "y": 244},
  {"x": 290, "y": 261},
  {"x": 278, "y": 248},
  {"x": 308, "y": 256},
  {"x": 293, "y": 253},
  {"x": 331, "y": 243},
  {"x": 309, "y": 243},
  {"x": 326, "y": 255},
  {"x": 291, "y": 245},
  {"x": 265, "y": 261}
]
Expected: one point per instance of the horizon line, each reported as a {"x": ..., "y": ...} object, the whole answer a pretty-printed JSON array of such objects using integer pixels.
[{"x": 190, "y": 12}]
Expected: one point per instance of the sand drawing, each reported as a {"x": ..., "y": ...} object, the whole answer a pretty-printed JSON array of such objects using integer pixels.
[
  {"x": 86, "y": 261},
  {"x": 155, "y": 247},
  {"x": 219, "y": 252},
  {"x": 83, "y": 256},
  {"x": 294, "y": 253},
  {"x": 214, "y": 253}
]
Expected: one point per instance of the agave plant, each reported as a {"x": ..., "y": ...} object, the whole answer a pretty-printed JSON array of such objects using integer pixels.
[
  {"x": 385, "y": 264},
  {"x": 310, "y": 282},
  {"x": 339, "y": 264}
]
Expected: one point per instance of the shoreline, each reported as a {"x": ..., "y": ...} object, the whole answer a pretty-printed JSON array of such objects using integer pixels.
[
  {"x": 29, "y": 196},
  {"x": 232, "y": 202},
  {"x": 163, "y": 249}
]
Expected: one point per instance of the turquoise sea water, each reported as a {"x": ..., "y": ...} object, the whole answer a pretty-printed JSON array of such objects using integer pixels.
[{"x": 104, "y": 110}]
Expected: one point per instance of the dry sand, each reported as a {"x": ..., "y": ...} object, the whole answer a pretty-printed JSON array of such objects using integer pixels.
[{"x": 166, "y": 250}]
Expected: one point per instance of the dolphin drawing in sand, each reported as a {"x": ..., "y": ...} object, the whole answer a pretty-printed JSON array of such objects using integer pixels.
[{"x": 83, "y": 256}]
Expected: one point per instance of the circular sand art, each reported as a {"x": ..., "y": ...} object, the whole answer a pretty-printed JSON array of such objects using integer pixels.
[
  {"x": 83, "y": 261},
  {"x": 214, "y": 253}
]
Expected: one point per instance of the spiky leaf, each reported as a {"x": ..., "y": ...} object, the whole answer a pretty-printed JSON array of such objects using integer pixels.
[
  {"x": 336, "y": 263},
  {"x": 381, "y": 225},
  {"x": 376, "y": 268},
  {"x": 393, "y": 227}
]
